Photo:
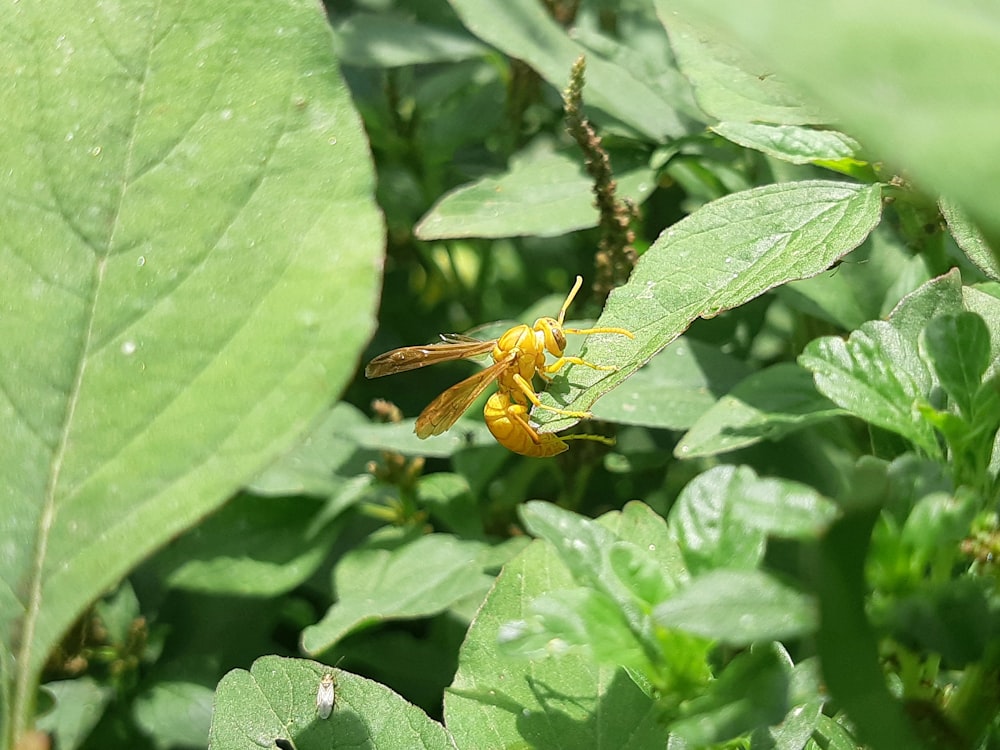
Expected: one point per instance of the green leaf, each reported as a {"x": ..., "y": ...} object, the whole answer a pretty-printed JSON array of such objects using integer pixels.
[
  {"x": 80, "y": 702},
  {"x": 545, "y": 193},
  {"x": 254, "y": 546},
  {"x": 605, "y": 553},
  {"x": 846, "y": 644},
  {"x": 940, "y": 296},
  {"x": 579, "y": 618},
  {"x": 640, "y": 573},
  {"x": 500, "y": 700},
  {"x": 630, "y": 563},
  {"x": 192, "y": 265},
  {"x": 738, "y": 607},
  {"x": 751, "y": 692},
  {"x": 864, "y": 286},
  {"x": 831, "y": 734},
  {"x": 728, "y": 84},
  {"x": 766, "y": 405},
  {"x": 779, "y": 507},
  {"x": 156, "y": 711},
  {"x": 720, "y": 257},
  {"x": 674, "y": 388},
  {"x": 389, "y": 41},
  {"x": 804, "y": 713},
  {"x": 922, "y": 98},
  {"x": 276, "y": 699},
  {"x": 986, "y": 306},
  {"x": 958, "y": 347},
  {"x": 579, "y": 541},
  {"x": 791, "y": 143},
  {"x": 398, "y": 437},
  {"x": 525, "y": 31},
  {"x": 707, "y": 525},
  {"x": 954, "y": 619},
  {"x": 876, "y": 375},
  {"x": 449, "y": 498},
  {"x": 939, "y": 520},
  {"x": 398, "y": 579},
  {"x": 321, "y": 463},
  {"x": 968, "y": 237}
]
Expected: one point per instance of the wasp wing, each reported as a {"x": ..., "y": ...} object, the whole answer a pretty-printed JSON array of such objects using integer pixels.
[
  {"x": 445, "y": 410},
  {"x": 414, "y": 357}
]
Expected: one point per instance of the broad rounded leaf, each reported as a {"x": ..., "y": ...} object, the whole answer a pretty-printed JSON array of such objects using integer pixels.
[
  {"x": 706, "y": 523},
  {"x": 500, "y": 700},
  {"x": 191, "y": 253},
  {"x": 738, "y": 607},
  {"x": 544, "y": 194},
  {"x": 876, "y": 375},
  {"x": 276, "y": 700}
]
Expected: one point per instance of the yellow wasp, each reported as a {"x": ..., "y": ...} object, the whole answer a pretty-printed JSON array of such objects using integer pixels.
[{"x": 518, "y": 355}]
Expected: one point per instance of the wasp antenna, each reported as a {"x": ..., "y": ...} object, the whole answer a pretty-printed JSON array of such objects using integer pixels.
[{"x": 569, "y": 299}]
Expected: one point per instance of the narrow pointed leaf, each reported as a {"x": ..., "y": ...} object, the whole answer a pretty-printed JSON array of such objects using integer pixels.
[
  {"x": 722, "y": 256},
  {"x": 791, "y": 143}
]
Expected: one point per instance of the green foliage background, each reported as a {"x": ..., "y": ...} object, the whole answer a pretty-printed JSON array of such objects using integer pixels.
[{"x": 792, "y": 543}]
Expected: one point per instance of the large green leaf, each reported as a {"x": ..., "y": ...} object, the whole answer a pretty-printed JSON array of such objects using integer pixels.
[
  {"x": 630, "y": 90},
  {"x": 923, "y": 94},
  {"x": 723, "y": 255},
  {"x": 729, "y": 85},
  {"x": 767, "y": 405},
  {"x": 877, "y": 375},
  {"x": 392, "y": 578},
  {"x": 544, "y": 193},
  {"x": 277, "y": 700},
  {"x": 190, "y": 252},
  {"x": 500, "y": 700},
  {"x": 738, "y": 607},
  {"x": 389, "y": 41},
  {"x": 675, "y": 388}
]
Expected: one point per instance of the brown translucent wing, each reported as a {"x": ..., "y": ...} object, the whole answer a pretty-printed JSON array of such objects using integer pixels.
[
  {"x": 445, "y": 410},
  {"x": 413, "y": 357}
]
